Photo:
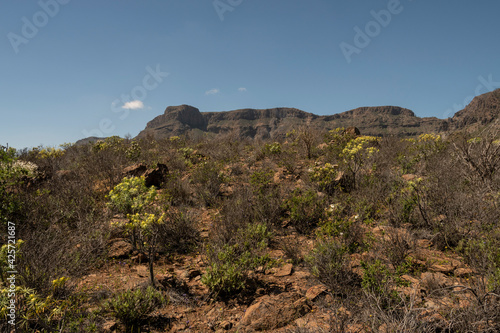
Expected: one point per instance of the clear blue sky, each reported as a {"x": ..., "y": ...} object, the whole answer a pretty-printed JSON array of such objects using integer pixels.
[{"x": 67, "y": 78}]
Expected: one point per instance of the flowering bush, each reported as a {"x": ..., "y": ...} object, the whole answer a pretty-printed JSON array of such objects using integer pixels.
[
  {"x": 30, "y": 308},
  {"x": 325, "y": 176},
  {"x": 358, "y": 151},
  {"x": 131, "y": 196},
  {"x": 420, "y": 149}
]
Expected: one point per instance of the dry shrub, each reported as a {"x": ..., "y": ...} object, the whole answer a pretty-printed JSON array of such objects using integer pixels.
[
  {"x": 179, "y": 231},
  {"x": 330, "y": 263},
  {"x": 397, "y": 245},
  {"x": 291, "y": 247},
  {"x": 207, "y": 179}
]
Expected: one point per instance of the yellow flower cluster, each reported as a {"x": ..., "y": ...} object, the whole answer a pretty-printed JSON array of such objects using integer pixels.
[
  {"x": 143, "y": 221},
  {"x": 131, "y": 195},
  {"x": 50, "y": 153},
  {"x": 358, "y": 146},
  {"x": 59, "y": 283},
  {"x": 429, "y": 137}
]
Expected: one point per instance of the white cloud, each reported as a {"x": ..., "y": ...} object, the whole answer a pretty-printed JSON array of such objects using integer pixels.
[
  {"x": 242, "y": 89},
  {"x": 133, "y": 105},
  {"x": 212, "y": 92}
]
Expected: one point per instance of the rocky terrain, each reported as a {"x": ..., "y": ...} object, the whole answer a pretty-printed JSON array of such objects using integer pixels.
[
  {"x": 274, "y": 123},
  {"x": 337, "y": 231}
]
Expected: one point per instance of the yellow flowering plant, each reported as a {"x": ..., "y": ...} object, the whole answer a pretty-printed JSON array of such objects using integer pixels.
[
  {"x": 29, "y": 307},
  {"x": 136, "y": 201},
  {"x": 420, "y": 149},
  {"x": 357, "y": 152}
]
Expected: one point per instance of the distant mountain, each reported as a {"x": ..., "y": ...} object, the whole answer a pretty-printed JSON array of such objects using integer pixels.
[
  {"x": 483, "y": 110},
  {"x": 276, "y": 122},
  {"x": 90, "y": 139}
]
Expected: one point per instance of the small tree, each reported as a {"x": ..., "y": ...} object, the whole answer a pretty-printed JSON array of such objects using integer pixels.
[
  {"x": 357, "y": 152},
  {"x": 132, "y": 198}
]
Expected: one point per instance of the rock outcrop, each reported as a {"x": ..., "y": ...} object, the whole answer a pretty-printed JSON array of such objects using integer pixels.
[{"x": 276, "y": 122}]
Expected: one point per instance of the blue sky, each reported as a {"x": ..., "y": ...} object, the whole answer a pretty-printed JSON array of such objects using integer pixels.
[{"x": 71, "y": 74}]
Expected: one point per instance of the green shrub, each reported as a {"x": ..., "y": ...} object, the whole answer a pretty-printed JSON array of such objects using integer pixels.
[
  {"x": 330, "y": 263},
  {"x": 380, "y": 283},
  {"x": 208, "y": 178},
  {"x": 272, "y": 148},
  {"x": 484, "y": 256},
  {"x": 305, "y": 209},
  {"x": 230, "y": 263},
  {"x": 265, "y": 197},
  {"x": 38, "y": 313},
  {"x": 262, "y": 181},
  {"x": 348, "y": 230},
  {"x": 133, "y": 307},
  {"x": 133, "y": 152}
]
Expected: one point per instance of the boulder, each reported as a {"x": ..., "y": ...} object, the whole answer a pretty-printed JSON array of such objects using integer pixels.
[
  {"x": 136, "y": 170},
  {"x": 313, "y": 292},
  {"x": 120, "y": 249},
  {"x": 409, "y": 177},
  {"x": 109, "y": 326},
  {"x": 284, "y": 271},
  {"x": 153, "y": 177},
  {"x": 352, "y": 131},
  {"x": 272, "y": 312},
  {"x": 156, "y": 176},
  {"x": 463, "y": 272}
]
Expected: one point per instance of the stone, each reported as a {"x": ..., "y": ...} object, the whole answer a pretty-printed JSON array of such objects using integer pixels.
[
  {"x": 408, "y": 177},
  {"x": 272, "y": 312},
  {"x": 353, "y": 131},
  {"x": 445, "y": 269},
  {"x": 313, "y": 292},
  {"x": 284, "y": 271},
  {"x": 136, "y": 170},
  {"x": 142, "y": 271},
  {"x": 166, "y": 280},
  {"x": 226, "y": 325},
  {"x": 410, "y": 279},
  {"x": 191, "y": 274},
  {"x": 109, "y": 326},
  {"x": 463, "y": 272},
  {"x": 156, "y": 176},
  {"x": 120, "y": 249},
  {"x": 322, "y": 146}
]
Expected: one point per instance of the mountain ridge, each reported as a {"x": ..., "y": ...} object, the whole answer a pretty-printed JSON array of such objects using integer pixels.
[{"x": 276, "y": 122}]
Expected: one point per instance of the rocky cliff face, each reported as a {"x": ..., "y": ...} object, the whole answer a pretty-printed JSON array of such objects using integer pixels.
[
  {"x": 481, "y": 111},
  {"x": 276, "y": 122}
]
